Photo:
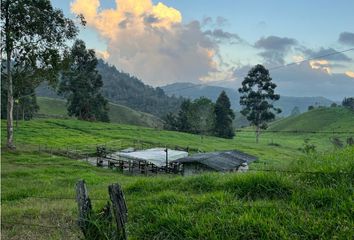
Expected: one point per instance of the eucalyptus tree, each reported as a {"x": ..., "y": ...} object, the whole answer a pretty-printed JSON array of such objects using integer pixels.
[
  {"x": 257, "y": 98},
  {"x": 34, "y": 34}
]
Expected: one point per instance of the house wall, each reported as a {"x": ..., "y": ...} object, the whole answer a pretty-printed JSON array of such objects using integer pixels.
[{"x": 195, "y": 168}]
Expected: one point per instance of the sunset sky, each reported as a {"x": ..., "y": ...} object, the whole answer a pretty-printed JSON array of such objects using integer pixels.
[{"x": 208, "y": 41}]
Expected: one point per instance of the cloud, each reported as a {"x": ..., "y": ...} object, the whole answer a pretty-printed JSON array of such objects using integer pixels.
[
  {"x": 102, "y": 54},
  {"x": 346, "y": 38},
  {"x": 340, "y": 57},
  {"x": 275, "y": 48},
  {"x": 151, "y": 42},
  {"x": 321, "y": 64},
  {"x": 275, "y": 43},
  {"x": 221, "y": 35},
  {"x": 303, "y": 80},
  {"x": 349, "y": 74}
]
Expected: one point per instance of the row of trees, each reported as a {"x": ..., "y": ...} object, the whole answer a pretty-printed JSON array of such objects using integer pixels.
[
  {"x": 204, "y": 117},
  {"x": 33, "y": 50}
]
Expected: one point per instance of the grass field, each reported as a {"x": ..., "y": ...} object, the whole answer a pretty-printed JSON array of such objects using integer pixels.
[
  {"x": 117, "y": 113},
  {"x": 309, "y": 196}
]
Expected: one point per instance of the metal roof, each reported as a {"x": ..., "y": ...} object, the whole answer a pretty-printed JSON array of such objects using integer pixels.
[
  {"x": 156, "y": 156},
  {"x": 221, "y": 161}
]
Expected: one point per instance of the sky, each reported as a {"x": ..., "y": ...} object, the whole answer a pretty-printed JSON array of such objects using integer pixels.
[{"x": 217, "y": 42}]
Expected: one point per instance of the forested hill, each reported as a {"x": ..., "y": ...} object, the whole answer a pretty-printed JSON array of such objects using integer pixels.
[
  {"x": 127, "y": 90},
  {"x": 120, "y": 87}
]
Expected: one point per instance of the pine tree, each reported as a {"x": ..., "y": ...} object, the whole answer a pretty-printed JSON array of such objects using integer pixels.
[
  {"x": 257, "y": 98},
  {"x": 81, "y": 85},
  {"x": 183, "y": 118},
  {"x": 224, "y": 117}
]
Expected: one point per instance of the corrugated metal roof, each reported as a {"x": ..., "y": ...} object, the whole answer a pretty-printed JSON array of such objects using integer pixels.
[
  {"x": 157, "y": 156},
  {"x": 221, "y": 161}
]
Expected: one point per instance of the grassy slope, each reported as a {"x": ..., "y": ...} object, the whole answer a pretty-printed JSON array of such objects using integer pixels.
[
  {"x": 255, "y": 205},
  {"x": 209, "y": 206},
  {"x": 322, "y": 119},
  {"x": 117, "y": 113}
]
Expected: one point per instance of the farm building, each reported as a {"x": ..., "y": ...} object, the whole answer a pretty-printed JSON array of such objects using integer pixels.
[
  {"x": 224, "y": 161},
  {"x": 147, "y": 161},
  {"x": 156, "y": 156}
]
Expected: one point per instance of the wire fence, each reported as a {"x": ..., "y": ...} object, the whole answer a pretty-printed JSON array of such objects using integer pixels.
[{"x": 89, "y": 129}]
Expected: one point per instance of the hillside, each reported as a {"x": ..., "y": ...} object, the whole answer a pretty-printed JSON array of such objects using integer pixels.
[
  {"x": 117, "y": 113},
  {"x": 319, "y": 119},
  {"x": 38, "y": 188},
  {"x": 287, "y": 104},
  {"x": 124, "y": 89}
]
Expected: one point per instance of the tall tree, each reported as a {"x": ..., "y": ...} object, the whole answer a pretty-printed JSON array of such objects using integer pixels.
[
  {"x": 32, "y": 31},
  {"x": 81, "y": 84},
  {"x": 202, "y": 116},
  {"x": 184, "y": 116},
  {"x": 224, "y": 117},
  {"x": 257, "y": 97}
]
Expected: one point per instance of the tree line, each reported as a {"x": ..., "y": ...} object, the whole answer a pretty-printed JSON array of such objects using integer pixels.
[{"x": 204, "y": 117}]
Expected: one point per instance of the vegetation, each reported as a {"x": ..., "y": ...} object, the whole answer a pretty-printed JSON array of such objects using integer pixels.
[
  {"x": 50, "y": 107},
  {"x": 33, "y": 33},
  {"x": 25, "y": 101},
  {"x": 257, "y": 98},
  {"x": 295, "y": 111},
  {"x": 223, "y": 117},
  {"x": 348, "y": 102},
  {"x": 318, "y": 120},
  {"x": 81, "y": 84},
  {"x": 39, "y": 189},
  {"x": 202, "y": 116},
  {"x": 127, "y": 90}
]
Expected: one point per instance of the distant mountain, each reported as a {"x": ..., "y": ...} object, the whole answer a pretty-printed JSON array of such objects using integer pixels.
[
  {"x": 287, "y": 104},
  {"x": 124, "y": 89}
]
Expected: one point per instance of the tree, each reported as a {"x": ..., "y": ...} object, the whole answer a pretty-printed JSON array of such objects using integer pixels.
[
  {"x": 333, "y": 105},
  {"x": 310, "y": 108},
  {"x": 224, "y": 117},
  {"x": 33, "y": 32},
  {"x": 170, "y": 122},
  {"x": 348, "y": 103},
  {"x": 295, "y": 111},
  {"x": 81, "y": 84},
  {"x": 202, "y": 116},
  {"x": 184, "y": 116},
  {"x": 25, "y": 101},
  {"x": 257, "y": 98}
]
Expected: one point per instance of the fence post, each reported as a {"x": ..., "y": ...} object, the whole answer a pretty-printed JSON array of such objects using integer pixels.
[
  {"x": 120, "y": 211},
  {"x": 85, "y": 207}
]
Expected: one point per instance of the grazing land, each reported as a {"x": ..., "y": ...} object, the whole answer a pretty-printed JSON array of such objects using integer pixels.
[
  {"x": 54, "y": 107},
  {"x": 287, "y": 194}
]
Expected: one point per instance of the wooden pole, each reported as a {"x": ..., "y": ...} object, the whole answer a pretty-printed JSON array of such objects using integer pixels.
[
  {"x": 84, "y": 205},
  {"x": 120, "y": 211},
  {"x": 166, "y": 150}
]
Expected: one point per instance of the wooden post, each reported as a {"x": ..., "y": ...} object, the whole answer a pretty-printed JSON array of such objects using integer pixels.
[
  {"x": 166, "y": 150},
  {"x": 120, "y": 211},
  {"x": 85, "y": 207}
]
